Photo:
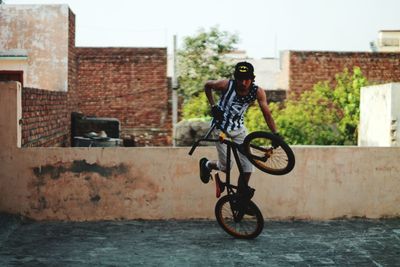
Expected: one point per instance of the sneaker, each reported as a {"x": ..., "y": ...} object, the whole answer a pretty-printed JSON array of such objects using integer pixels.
[{"x": 204, "y": 171}]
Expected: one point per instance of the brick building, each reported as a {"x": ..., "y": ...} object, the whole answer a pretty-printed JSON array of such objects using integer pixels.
[
  {"x": 302, "y": 69},
  {"x": 129, "y": 84}
]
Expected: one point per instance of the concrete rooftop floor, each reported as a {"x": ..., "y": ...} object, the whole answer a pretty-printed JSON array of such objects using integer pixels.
[{"x": 356, "y": 242}]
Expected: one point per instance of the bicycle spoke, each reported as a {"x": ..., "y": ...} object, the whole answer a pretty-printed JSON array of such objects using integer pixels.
[{"x": 276, "y": 160}]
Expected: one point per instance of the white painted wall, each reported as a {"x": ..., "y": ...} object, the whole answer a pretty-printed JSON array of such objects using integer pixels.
[
  {"x": 395, "y": 116},
  {"x": 379, "y": 115}
]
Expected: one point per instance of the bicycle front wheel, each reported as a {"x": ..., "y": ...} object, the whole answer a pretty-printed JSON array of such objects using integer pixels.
[
  {"x": 248, "y": 226},
  {"x": 269, "y": 153}
]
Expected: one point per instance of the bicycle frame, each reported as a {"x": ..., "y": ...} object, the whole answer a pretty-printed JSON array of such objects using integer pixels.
[{"x": 231, "y": 147}]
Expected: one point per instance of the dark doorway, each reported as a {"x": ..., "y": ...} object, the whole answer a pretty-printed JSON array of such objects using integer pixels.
[{"x": 11, "y": 75}]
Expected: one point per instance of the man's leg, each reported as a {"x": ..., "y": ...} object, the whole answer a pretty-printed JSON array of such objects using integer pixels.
[
  {"x": 247, "y": 166},
  {"x": 212, "y": 165},
  {"x": 244, "y": 180},
  {"x": 243, "y": 184},
  {"x": 206, "y": 166}
]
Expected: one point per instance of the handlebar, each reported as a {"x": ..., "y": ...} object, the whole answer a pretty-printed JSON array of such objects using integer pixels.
[
  {"x": 205, "y": 138},
  {"x": 197, "y": 143},
  {"x": 194, "y": 146}
]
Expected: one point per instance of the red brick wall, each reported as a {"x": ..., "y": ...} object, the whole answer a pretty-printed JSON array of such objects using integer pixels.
[
  {"x": 129, "y": 84},
  {"x": 308, "y": 67},
  {"x": 45, "y": 120}
]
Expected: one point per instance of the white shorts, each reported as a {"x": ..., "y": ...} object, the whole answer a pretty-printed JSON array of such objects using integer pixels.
[{"x": 237, "y": 136}]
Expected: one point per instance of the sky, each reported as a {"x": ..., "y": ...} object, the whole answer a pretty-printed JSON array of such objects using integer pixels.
[{"x": 264, "y": 27}]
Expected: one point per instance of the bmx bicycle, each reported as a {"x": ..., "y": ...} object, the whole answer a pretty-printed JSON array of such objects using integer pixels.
[{"x": 235, "y": 212}]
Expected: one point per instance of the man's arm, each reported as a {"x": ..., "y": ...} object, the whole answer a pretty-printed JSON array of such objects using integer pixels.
[
  {"x": 218, "y": 85},
  {"x": 262, "y": 102}
]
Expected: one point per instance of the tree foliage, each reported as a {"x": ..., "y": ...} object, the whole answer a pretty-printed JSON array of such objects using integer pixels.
[
  {"x": 196, "y": 107},
  {"x": 201, "y": 59},
  {"x": 324, "y": 115}
]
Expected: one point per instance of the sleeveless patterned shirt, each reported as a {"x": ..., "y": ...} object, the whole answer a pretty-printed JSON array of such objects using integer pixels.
[{"x": 234, "y": 106}]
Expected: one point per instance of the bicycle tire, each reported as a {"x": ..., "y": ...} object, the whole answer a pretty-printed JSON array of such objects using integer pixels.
[
  {"x": 250, "y": 225},
  {"x": 269, "y": 153}
]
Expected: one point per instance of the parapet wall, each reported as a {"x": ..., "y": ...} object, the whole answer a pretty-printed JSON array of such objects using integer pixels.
[{"x": 80, "y": 184}]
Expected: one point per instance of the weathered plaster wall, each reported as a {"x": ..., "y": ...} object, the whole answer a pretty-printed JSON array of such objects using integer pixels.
[
  {"x": 163, "y": 183},
  {"x": 28, "y": 27},
  {"x": 379, "y": 115}
]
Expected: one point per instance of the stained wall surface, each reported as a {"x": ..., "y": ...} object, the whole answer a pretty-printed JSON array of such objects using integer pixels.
[{"x": 41, "y": 31}]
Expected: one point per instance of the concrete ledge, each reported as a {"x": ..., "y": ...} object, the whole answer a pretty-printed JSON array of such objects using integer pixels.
[{"x": 81, "y": 184}]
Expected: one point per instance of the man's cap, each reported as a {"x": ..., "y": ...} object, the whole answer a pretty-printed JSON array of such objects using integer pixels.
[{"x": 243, "y": 71}]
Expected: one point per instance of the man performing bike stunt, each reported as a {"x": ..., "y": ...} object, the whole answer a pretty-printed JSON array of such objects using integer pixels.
[{"x": 237, "y": 95}]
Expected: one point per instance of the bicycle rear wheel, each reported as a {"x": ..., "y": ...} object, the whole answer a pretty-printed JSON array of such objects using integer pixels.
[
  {"x": 247, "y": 227},
  {"x": 269, "y": 153}
]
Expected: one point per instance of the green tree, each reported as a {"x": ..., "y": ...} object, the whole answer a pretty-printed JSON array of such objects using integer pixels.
[
  {"x": 324, "y": 115},
  {"x": 196, "y": 107},
  {"x": 347, "y": 99},
  {"x": 200, "y": 59}
]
